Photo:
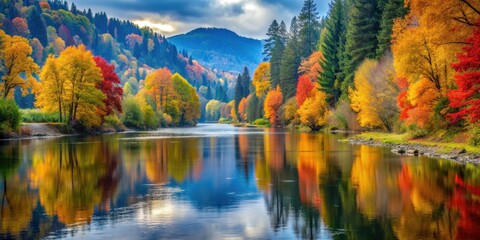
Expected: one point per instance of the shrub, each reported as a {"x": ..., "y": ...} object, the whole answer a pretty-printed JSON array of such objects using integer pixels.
[
  {"x": 343, "y": 117},
  {"x": 474, "y": 138},
  {"x": 415, "y": 132},
  {"x": 38, "y": 116},
  {"x": 225, "y": 120},
  {"x": 261, "y": 122},
  {"x": 151, "y": 120},
  {"x": 132, "y": 116},
  {"x": 9, "y": 116},
  {"x": 113, "y": 121}
]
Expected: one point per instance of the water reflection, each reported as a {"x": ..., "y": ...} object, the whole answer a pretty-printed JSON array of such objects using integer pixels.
[{"x": 221, "y": 182}]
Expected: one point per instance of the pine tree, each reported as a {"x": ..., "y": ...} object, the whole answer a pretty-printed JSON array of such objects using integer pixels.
[
  {"x": 272, "y": 35},
  {"x": 290, "y": 62},
  {"x": 309, "y": 28},
  {"x": 277, "y": 54},
  {"x": 393, "y": 9},
  {"x": 242, "y": 87},
  {"x": 332, "y": 45},
  {"x": 362, "y": 29}
]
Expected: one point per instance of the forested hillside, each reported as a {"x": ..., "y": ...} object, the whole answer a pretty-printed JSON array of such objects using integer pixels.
[
  {"x": 56, "y": 38},
  {"x": 51, "y": 26},
  {"x": 220, "y": 48}
]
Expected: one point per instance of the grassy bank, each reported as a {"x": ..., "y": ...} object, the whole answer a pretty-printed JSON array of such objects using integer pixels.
[{"x": 397, "y": 139}]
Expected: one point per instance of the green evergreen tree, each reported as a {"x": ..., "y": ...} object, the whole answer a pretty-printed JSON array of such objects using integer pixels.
[
  {"x": 242, "y": 87},
  {"x": 272, "y": 35},
  {"x": 333, "y": 46},
  {"x": 290, "y": 62},
  {"x": 362, "y": 30},
  {"x": 309, "y": 32},
  {"x": 393, "y": 9},
  {"x": 277, "y": 54}
]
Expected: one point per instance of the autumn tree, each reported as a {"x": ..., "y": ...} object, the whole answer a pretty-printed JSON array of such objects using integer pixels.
[
  {"x": 21, "y": 27},
  {"x": 273, "y": 101},
  {"x": 261, "y": 79},
  {"x": 304, "y": 88},
  {"x": 311, "y": 66},
  {"x": 374, "y": 95},
  {"x": 68, "y": 85},
  {"x": 188, "y": 101},
  {"x": 51, "y": 88},
  {"x": 424, "y": 51},
  {"x": 314, "y": 111},
  {"x": 242, "y": 109},
  {"x": 159, "y": 86},
  {"x": 110, "y": 86},
  {"x": 466, "y": 97},
  {"x": 17, "y": 66}
]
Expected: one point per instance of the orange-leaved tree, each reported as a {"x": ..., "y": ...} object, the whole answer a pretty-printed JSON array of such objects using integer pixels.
[
  {"x": 242, "y": 109},
  {"x": 311, "y": 66},
  {"x": 273, "y": 101},
  {"x": 158, "y": 85}
]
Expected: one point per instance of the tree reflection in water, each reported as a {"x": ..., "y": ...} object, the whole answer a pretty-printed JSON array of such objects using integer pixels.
[{"x": 312, "y": 186}]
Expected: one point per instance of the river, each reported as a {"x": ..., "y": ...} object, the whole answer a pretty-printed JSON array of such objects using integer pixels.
[{"x": 221, "y": 182}]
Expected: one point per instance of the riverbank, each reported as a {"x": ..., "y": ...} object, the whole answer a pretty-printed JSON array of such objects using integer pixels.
[
  {"x": 28, "y": 130},
  {"x": 459, "y": 152}
]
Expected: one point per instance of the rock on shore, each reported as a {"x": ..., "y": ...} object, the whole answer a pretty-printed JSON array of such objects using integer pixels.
[{"x": 413, "y": 149}]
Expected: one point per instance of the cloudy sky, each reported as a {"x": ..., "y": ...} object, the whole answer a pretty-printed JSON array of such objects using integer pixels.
[{"x": 249, "y": 18}]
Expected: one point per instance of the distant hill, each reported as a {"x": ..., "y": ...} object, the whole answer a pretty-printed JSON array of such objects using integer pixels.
[
  {"x": 220, "y": 48},
  {"x": 52, "y": 25}
]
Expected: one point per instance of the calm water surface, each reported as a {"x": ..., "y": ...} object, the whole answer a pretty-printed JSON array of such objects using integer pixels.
[{"x": 221, "y": 182}]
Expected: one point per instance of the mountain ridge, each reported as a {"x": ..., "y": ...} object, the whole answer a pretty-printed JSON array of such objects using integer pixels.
[{"x": 220, "y": 48}]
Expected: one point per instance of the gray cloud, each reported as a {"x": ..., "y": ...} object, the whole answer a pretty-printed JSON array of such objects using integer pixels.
[{"x": 246, "y": 17}]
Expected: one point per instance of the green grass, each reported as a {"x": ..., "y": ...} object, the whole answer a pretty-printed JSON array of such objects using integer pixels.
[
  {"x": 392, "y": 138},
  {"x": 37, "y": 116}
]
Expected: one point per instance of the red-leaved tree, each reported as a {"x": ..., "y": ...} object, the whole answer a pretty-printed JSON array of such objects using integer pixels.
[
  {"x": 467, "y": 97},
  {"x": 110, "y": 86},
  {"x": 304, "y": 88}
]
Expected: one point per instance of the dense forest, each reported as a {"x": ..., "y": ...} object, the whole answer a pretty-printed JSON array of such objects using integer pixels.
[
  {"x": 49, "y": 32},
  {"x": 391, "y": 65}
]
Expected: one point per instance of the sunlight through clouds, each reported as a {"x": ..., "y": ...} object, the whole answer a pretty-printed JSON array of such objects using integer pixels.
[{"x": 160, "y": 27}]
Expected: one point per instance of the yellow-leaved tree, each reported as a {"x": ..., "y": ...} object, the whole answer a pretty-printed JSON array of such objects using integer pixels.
[
  {"x": 261, "y": 79},
  {"x": 187, "y": 100},
  {"x": 425, "y": 44},
  {"x": 314, "y": 111},
  {"x": 374, "y": 96},
  {"x": 17, "y": 66},
  {"x": 74, "y": 76}
]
